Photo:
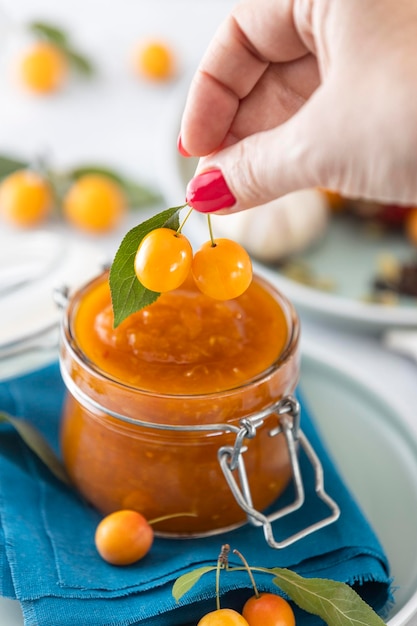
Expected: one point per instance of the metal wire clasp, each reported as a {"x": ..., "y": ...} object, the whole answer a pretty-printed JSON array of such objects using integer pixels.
[{"x": 231, "y": 458}]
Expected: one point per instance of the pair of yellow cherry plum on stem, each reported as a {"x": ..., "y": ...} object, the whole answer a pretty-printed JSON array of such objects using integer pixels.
[{"x": 221, "y": 268}]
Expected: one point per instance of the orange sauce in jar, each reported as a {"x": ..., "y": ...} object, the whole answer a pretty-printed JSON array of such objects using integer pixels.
[{"x": 137, "y": 392}]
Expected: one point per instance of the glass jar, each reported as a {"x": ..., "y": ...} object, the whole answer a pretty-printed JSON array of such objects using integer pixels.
[{"x": 154, "y": 446}]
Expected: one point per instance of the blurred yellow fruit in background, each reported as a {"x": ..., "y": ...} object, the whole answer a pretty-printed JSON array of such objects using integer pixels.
[
  {"x": 411, "y": 225},
  {"x": 25, "y": 198},
  {"x": 154, "y": 60},
  {"x": 94, "y": 203},
  {"x": 43, "y": 68},
  {"x": 335, "y": 201}
]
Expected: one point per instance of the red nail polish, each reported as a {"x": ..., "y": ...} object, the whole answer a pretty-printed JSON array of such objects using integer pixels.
[
  {"x": 181, "y": 148},
  {"x": 208, "y": 192}
]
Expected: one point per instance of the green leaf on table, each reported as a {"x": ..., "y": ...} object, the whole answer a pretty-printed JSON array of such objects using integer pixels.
[
  {"x": 9, "y": 165},
  {"x": 334, "y": 602},
  {"x": 185, "y": 582},
  {"x": 137, "y": 196},
  {"x": 59, "y": 38},
  {"x": 102, "y": 170},
  {"x": 38, "y": 444},
  {"x": 50, "y": 32},
  {"x": 127, "y": 293},
  {"x": 78, "y": 62}
]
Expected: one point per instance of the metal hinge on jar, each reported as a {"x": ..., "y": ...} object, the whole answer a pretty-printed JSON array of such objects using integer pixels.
[{"x": 231, "y": 459}]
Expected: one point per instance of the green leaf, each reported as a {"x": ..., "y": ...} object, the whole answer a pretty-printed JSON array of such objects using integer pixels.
[
  {"x": 8, "y": 166},
  {"x": 137, "y": 196},
  {"x": 78, "y": 61},
  {"x": 50, "y": 32},
  {"x": 36, "y": 442},
  {"x": 185, "y": 582},
  {"x": 336, "y": 603},
  {"x": 127, "y": 293},
  {"x": 60, "y": 39},
  {"x": 102, "y": 170}
]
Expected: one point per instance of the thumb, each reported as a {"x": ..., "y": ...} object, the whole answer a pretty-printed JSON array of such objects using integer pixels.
[{"x": 299, "y": 154}]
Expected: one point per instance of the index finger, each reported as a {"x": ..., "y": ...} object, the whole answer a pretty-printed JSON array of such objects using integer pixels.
[{"x": 251, "y": 37}]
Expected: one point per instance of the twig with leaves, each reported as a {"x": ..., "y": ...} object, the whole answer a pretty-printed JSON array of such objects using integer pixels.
[{"x": 333, "y": 601}]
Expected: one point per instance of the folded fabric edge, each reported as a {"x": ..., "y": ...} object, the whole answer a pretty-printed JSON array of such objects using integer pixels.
[
  {"x": 336, "y": 565},
  {"x": 373, "y": 588},
  {"x": 134, "y": 611}
]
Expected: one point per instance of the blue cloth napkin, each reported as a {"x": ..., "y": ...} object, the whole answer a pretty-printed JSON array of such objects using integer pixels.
[{"x": 49, "y": 563}]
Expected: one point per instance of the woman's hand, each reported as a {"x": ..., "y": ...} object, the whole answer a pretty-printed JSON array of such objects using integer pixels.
[{"x": 295, "y": 94}]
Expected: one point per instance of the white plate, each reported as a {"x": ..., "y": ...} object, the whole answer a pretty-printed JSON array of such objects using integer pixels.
[
  {"x": 32, "y": 265},
  {"x": 377, "y": 455},
  {"x": 345, "y": 256}
]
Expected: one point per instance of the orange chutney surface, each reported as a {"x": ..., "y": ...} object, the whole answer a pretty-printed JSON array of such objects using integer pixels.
[
  {"x": 185, "y": 341},
  {"x": 185, "y": 359}
]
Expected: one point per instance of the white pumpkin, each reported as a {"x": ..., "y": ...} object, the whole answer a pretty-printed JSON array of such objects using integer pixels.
[{"x": 279, "y": 228}]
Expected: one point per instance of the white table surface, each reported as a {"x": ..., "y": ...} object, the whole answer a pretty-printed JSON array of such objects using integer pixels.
[{"x": 116, "y": 118}]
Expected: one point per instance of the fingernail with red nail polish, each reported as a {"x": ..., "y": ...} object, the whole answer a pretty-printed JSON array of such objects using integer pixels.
[
  {"x": 181, "y": 148},
  {"x": 208, "y": 192}
]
